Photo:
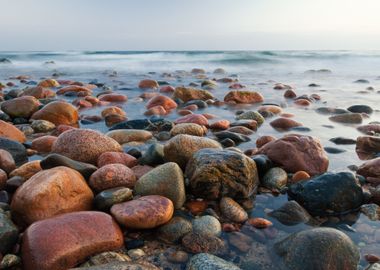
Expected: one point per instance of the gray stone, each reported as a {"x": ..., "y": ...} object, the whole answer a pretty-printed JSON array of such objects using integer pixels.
[{"x": 205, "y": 261}]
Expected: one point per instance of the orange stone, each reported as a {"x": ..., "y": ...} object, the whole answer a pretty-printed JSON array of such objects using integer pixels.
[
  {"x": 43, "y": 144},
  {"x": 263, "y": 140},
  {"x": 260, "y": 223},
  {"x": 245, "y": 96},
  {"x": 148, "y": 84},
  {"x": 27, "y": 170},
  {"x": 196, "y": 207},
  {"x": 11, "y": 132},
  {"x": 113, "y": 98},
  {"x": 58, "y": 112},
  {"x": 160, "y": 100},
  {"x": 299, "y": 176}
]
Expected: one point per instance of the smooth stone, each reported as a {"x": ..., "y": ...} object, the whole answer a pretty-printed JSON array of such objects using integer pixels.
[
  {"x": 370, "y": 170},
  {"x": 7, "y": 163},
  {"x": 38, "y": 92},
  {"x": 154, "y": 155},
  {"x": 199, "y": 243},
  {"x": 49, "y": 193},
  {"x": 203, "y": 261},
  {"x": 84, "y": 145},
  {"x": 58, "y": 113},
  {"x": 16, "y": 149},
  {"x": 106, "y": 257},
  {"x": 251, "y": 115},
  {"x": 291, "y": 213},
  {"x": 20, "y": 107},
  {"x": 372, "y": 211},
  {"x": 178, "y": 257},
  {"x": 275, "y": 178},
  {"x": 333, "y": 150},
  {"x": 160, "y": 100},
  {"x": 243, "y": 96},
  {"x": 342, "y": 140},
  {"x": 207, "y": 225},
  {"x": 199, "y": 103},
  {"x": 189, "y": 129},
  {"x": 129, "y": 135},
  {"x": 146, "y": 212},
  {"x": 215, "y": 173},
  {"x": 235, "y": 137},
  {"x": 107, "y": 198},
  {"x": 55, "y": 160},
  {"x": 116, "y": 158},
  {"x": 11, "y": 132},
  {"x": 62, "y": 242},
  {"x": 43, "y": 144},
  {"x": 42, "y": 126},
  {"x": 8, "y": 234},
  {"x": 367, "y": 147},
  {"x": 370, "y": 129},
  {"x": 174, "y": 230},
  {"x": 10, "y": 261},
  {"x": 285, "y": 123},
  {"x": 165, "y": 180},
  {"x": 148, "y": 83},
  {"x": 288, "y": 152},
  {"x": 181, "y": 148},
  {"x": 112, "y": 176},
  {"x": 121, "y": 266},
  {"x": 232, "y": 210},
  {"x": 192, "y": 118},
  {"x": 347, "y": 118},
  {"x": 241, "y": 126},
  {"x": 186, "y": 94},
  {"x": 319, "y": 248},
  {"x": 360, "y": 109},
  {"x": 27, "y": 170},
  {"x": 329, "y": 193},
  {"x": 263, "y": 164},
  {"x": 330, "y": 110}
]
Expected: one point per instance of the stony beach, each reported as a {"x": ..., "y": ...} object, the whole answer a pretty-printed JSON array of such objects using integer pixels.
[{"x": 213, "y": 166}]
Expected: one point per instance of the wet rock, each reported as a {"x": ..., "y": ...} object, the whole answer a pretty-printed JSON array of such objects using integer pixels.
[
  {"x": 264, "y": 140},
  {"x": 121, "y": 266},
  {"x": 290, "y": 94},
  {"x": 55, "y": 160},
  {"x": 220, "y": 125},
  {"x": 319, "y": 248},
  {"x": 105, "y": 199},
  {"x": 329, "y": 193},
  {"x": 299, "y": 176},
  {"x": 106, "y": 257},
  {"x": 263, "y": 164},
  {"x": 331, "y": 110},
  {"x": 20, "y": 107},
  {"x": 209, "y": 84},
  {"x": 360, "y": 109},
  {"x": 367, "y": 147},
  {"x": 129, "y": 135},
  {"x": 84, "y": 145},
  {"x": 8, "y": 234},
  {"x": 215, "y": 173},
  {"x": 43, "y": 144},
  {"x": 174, "y": 230},
  {"x": 186, "y": 94},
  {"x": 240, "y": 241},
  {"x": 9, "y": 261},
  {"x": 291, "y": 213},
  {"x": 189, "y": 129},
  {"x": 289, "y": 153},
  {"x": 193, "y": 118},
  {"x": 251, "y": 115},
  {"x": 49, "y": 83},
  {"x": 178, "y": 257},
  {"x": 242, "y": 129},
  {"x": 347, "y": 118},
  {"x": 342, "y": 140},
  {"x": 140, "y": 170},
  {"x": 38, "y": 92},
  {"x": 116, "y": 158},
  {"x": 160, "y": 100},
  {"x": 285, "y": 123},
  {"x": 16, "y": 149},
  {"x": 113, "y": 97},
  {"x": 27, "y": 170},
  {"x": 49, "y": 193},
  {"x": 232, "y": 210},
  {"x": 370, "y": 129},
  {"x": 58, "y": 113},
  {"x": 208, "y": 261},
  {"x": 66, "y": 240},
  {"x": 165, "y": 180},
  {"x": 147, "y": 83},
  {"x": 3, "y": 179},
  {"x": 112, "y": 176},
  {"x": 275, "y": 178},
  {"x": 235, "y": 137},
  {"x": 372, "y": 211},
  {"x": 42, "y": 126},
  {"x": 207, "y": 225},
  {"x": 181, "y": 148},
  {"x": 144, "y": 213},
  {"x": 199, "y": 243},
  {"x": 371, "y": 170},
  {"x": 9, "y": 131},
  {"x": 154, "y": 155},
  {"x": 243, "y": 96}
]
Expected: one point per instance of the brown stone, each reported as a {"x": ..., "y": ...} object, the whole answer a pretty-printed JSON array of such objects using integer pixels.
[
  {"x": 186, "y": 94},
  {"x": 49, "y": 83},
  {"x": 7, "y": 162},
  {"x": 59, "y": 113},
  {"x": 148, "y": 84},
  {"x": 284, "y": 123},
  {"x": 111, "y": 176},
  {"x": 49, "y": 193},
  {"x": 116, "y": 158},
  {"x": 146, "y": 212},
  {"x": 367, "y": 147},
  {"x": 62, "y": 242},
  {"x": 370, "y": 169},
  {"x": 261, "y": 141},
  {"x": 290, "y": 94},
  {"x": 156, "y": 110},
  {"x": 260, "y": 223},
  {"x": 221, "y": 124},
  {"x": 11, "y": 132},
  {"x": 140, "y": 170},
  {"x": 297, "y": 153},
  {"x": 270, "y": 108},
  {"x": 20, "y": 107},
  {"x": 3, "y": 179},
  {"x": 188, "y": 128},
  {"x": 27, "y": 170},
  {"x": 74, "y": 88},
  {"x": 113, "y": 98},
  {"x": 302, "y": 102},
  {"x": 38, "y": 92},
  {"x": 193, "y": 118},
  {"x": 113, "y": 110},
  {"x": 197, "y": 243},
  {"x": 245, "y": 96},
  {"x": 299, "y": 176},
  {"x": 43, "y": 144},
  {"x": 84, "y": 145},
  {"x": 160, "y": 100}
]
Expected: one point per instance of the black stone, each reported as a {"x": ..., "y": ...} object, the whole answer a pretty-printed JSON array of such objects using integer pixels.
[
  {"x": 263, "y": 164},
  {"x": 16, "y": 149},
  {"x": 342, "y": 140}
]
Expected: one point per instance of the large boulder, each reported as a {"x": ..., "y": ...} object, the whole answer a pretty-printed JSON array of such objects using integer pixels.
[
  {"x": 20, "y": 107},
  {"x": 318, "y": 249},
  {"x": 297, "y": 153},
  {"x": 146, "y": 212},
  {"x": 59, "y": 113},
  {"x": 329, "y": 193},
  {"x": 16, "y": 149},
  {"x": 50, "y": 193},
  {"x": 84, "y": 145},
  {"x": 62, "y": 242},
  {"x": 11, "y": 132},
  {"x": 215, "y": 173},
  {"x": 165, "y": 180},
  {"x": 181, "y": 148},
  {"x": 186, "y": 94}
]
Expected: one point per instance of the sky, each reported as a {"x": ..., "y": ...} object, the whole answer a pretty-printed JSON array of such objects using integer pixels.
[{"x": 34, "y": 25}]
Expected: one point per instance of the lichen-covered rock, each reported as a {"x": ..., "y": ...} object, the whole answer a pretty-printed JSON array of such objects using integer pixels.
[{"x": 215, "y": 173}]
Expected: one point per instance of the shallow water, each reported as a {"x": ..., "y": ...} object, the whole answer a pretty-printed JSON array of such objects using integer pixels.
[{"x": 259, "y": 71}]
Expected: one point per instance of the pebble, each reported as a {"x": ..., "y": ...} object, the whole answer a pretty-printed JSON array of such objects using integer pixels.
[
  {"x": 107, "y": 198},
  {"x": 207, "y": 225},
  {"x": 275, "y": 178},
  {"x": 232, "y": 210},
  {"x": 174, "y": 230},
  {"x": 204, "y": 261}
]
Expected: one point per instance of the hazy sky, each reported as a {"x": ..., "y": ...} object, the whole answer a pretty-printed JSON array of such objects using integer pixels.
[{"x": 189, "y": 24}]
